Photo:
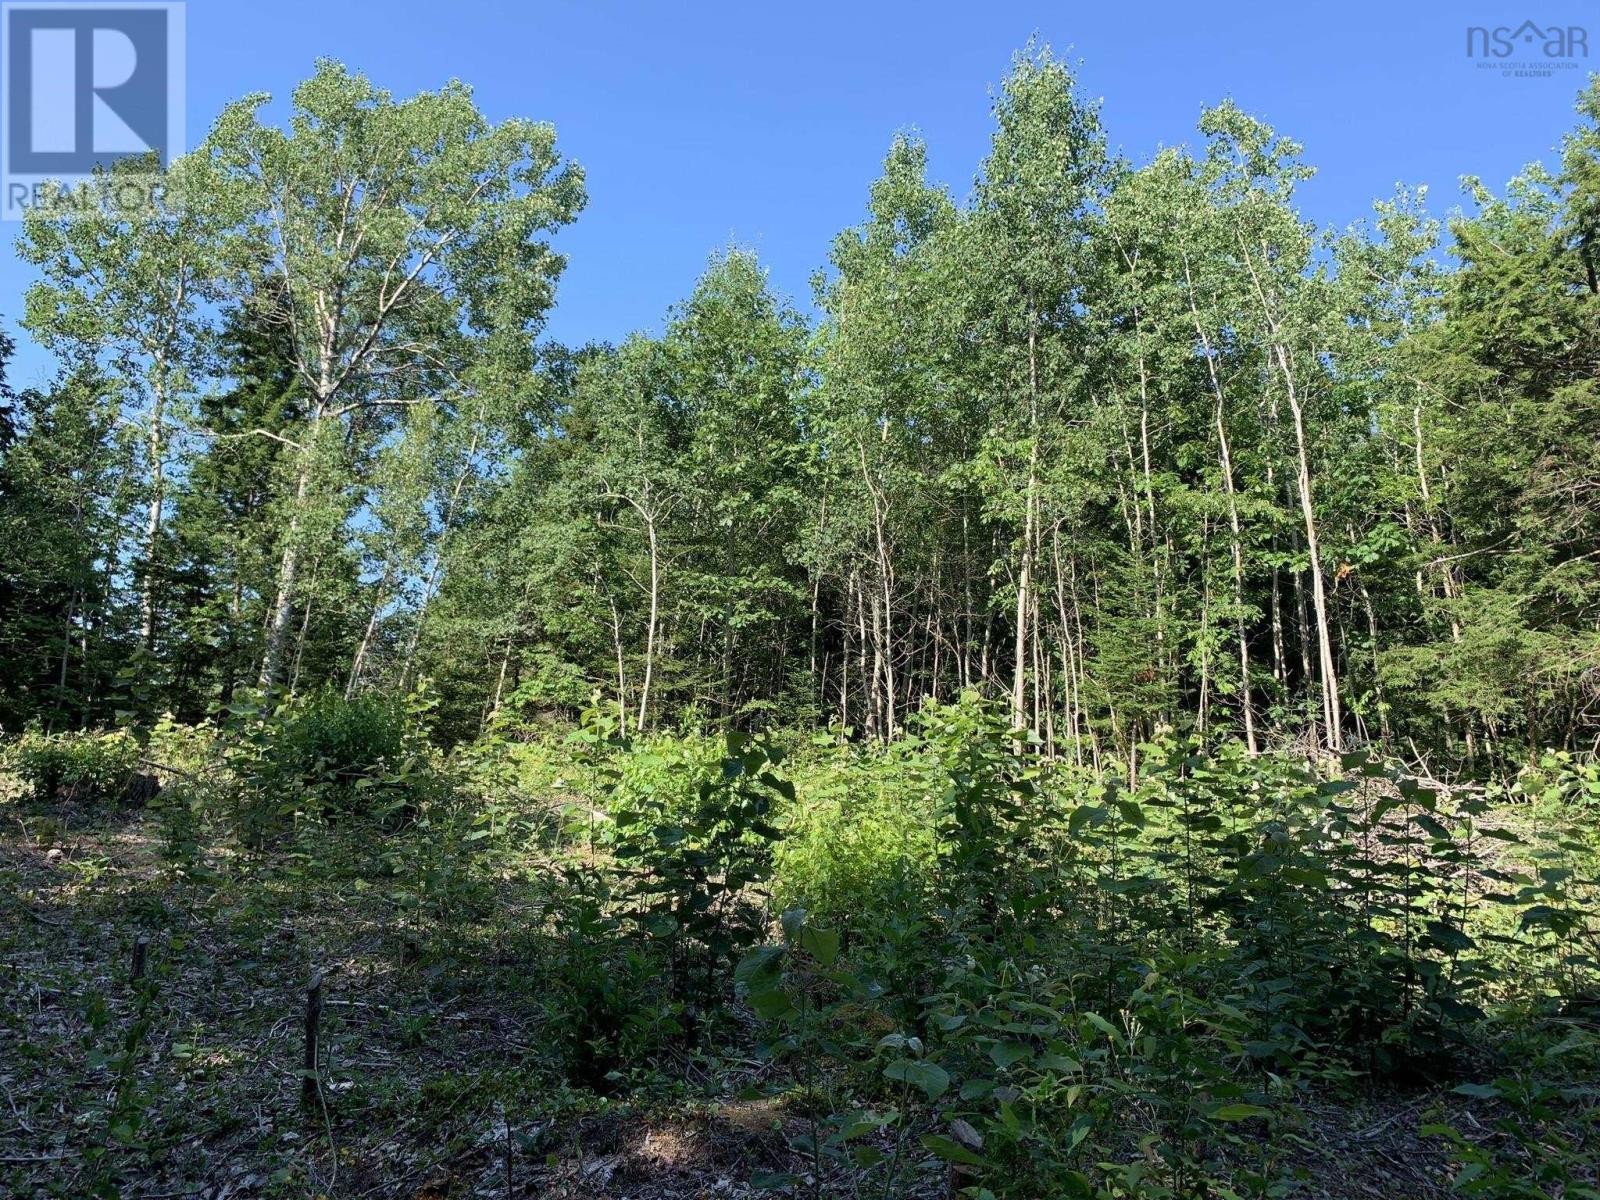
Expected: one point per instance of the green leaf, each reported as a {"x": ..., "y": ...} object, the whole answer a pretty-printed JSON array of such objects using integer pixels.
[
  {"x": 1431, "y": 826},
  {"x": 1084, "y": 816},
  {"x": 1005, "y": 1054},
  {"x": 770, "y": 1181},
  {"x": 1448, "y": 937},
  {"x": 760, "y": 963},
  {"x": 821, "y": 944},
  {"x": 1543, "y": 914},
  {"x": 861, "y": 1121},
  {"x": 930, "y": 1077},
  {"x": 1081, "y": 1129},
  {"x": 1238, "y": 1112},
  {"x": 770, "y": 1005},
  {"x": 1103, "y": 1025},
  {"x": 951, "y": 1150}
]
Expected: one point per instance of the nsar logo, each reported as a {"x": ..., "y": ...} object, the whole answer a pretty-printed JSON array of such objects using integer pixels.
[{"x": 1529, "y": 50}]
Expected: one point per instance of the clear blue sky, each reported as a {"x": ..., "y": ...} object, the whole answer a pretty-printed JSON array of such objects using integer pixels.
[{"x": 701, "y": 124}]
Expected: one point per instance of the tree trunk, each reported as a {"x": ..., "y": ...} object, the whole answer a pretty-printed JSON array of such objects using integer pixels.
[
  {"x": 1025, "y": 568},
  {"x": 365, "y": 645},
  {"x": 156, "y": 448},
  {"x": 300, "y": 641},
  {"x": 650, "y": 628},
  {"x": 622, "y": 671},
  {"x": 436, "y": 569},
  {"x": 288, "y": 577},
  {"x": 1319, "y": 600},
  {"x": 1225, "y": 457}
]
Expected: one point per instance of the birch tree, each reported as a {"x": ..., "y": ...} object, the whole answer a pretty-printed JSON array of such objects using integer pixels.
[
  {"x": 405, "y": 239},
  {"x": 1253, "y": 173},
  {"x": 127, "y": 290},
  {"x": 1027, "y": 254}
]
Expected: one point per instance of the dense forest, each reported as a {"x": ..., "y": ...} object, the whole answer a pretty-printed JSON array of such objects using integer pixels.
[
  {"x": 1102, "y": 701},
  {"x": 1135, "y": 447}
]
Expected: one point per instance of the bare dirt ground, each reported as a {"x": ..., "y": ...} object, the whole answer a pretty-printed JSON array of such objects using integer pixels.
[{"x": 432, "y": 1083}]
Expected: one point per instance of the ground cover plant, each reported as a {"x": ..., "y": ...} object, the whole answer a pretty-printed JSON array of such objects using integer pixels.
[{"x": 1213, "y": 981}]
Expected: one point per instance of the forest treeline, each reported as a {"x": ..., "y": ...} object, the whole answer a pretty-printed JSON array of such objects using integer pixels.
[{"x": 1131, "y": 447}]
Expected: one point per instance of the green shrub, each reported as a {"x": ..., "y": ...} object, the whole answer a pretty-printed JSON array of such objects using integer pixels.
[
  {"x": 341, "y": 745},
  {"x": 604, "y": 999},
  {"x": 859, "y": 839},
  {"x": 324, "y": 757},
  {"x": 1561, "y": 781},
  {"x": 88, "y": 767},
  {"x": 692, "y": 835},
  {"x": 1125, "y": 991}
]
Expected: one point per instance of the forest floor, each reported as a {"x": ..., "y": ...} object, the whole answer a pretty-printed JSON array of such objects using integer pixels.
[{"x": 434, "y": 1086}]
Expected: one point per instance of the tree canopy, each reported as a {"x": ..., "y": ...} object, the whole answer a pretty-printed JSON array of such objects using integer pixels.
[{"x": 1134, "y": 447}]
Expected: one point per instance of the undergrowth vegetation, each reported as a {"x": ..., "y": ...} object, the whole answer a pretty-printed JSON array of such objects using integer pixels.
[
  {"x": 92, "y": 768},
  {"x": 958, "y": 963}
]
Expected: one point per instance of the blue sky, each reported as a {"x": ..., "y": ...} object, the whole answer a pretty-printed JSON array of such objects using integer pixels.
[{"x": 705, "y": 124}]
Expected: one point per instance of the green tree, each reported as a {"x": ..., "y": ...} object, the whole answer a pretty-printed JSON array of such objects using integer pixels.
[
  {"x": 127, "y": 290},
  {"x": 62, "y": 637},
  {"x": 404, "y": 245}
]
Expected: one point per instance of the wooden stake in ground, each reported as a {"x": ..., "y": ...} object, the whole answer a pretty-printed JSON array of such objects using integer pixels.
[
  {"x": 141, "y": 950},
  {"x": 506, "y": 1122},
  {"x": 308, "y": 1078}
]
